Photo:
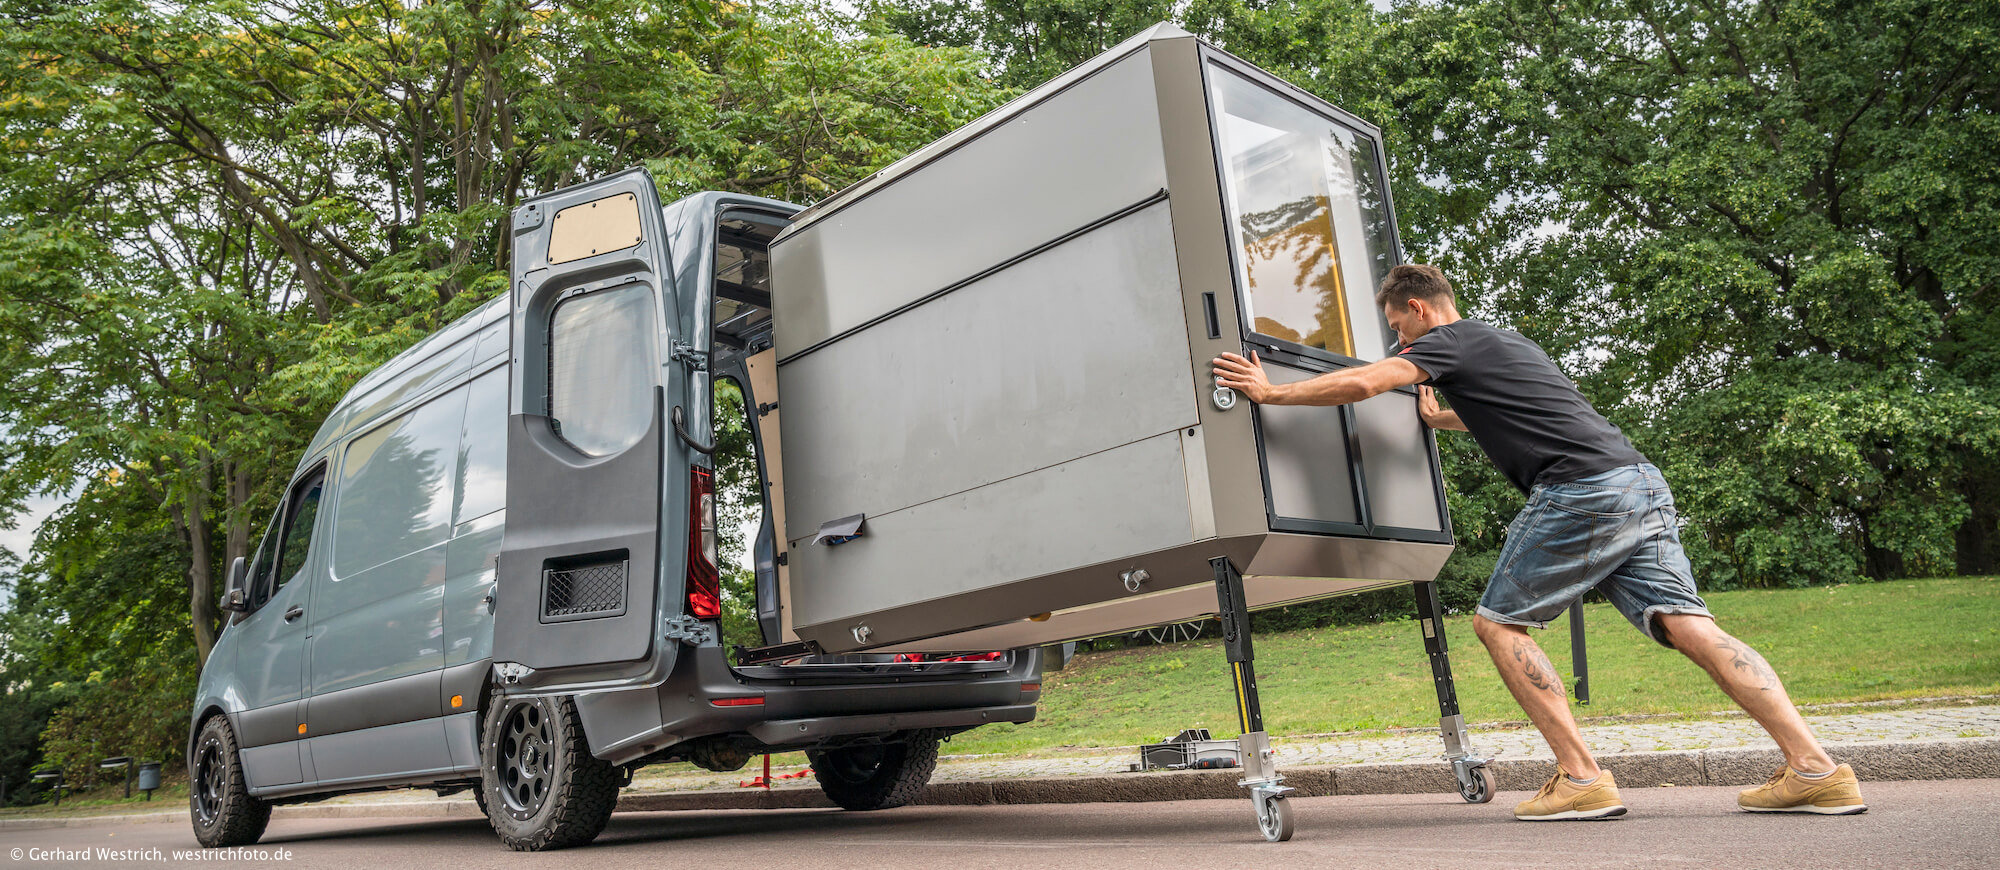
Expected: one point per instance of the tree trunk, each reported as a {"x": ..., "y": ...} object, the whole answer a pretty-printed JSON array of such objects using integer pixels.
[{"x": 1979, "y": 535}]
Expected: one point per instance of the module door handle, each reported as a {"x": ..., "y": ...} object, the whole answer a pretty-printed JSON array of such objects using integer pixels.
[{"x": 294, "y": 613}]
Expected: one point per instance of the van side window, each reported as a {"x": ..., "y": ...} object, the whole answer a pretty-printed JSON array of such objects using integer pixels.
[
  {"x": 299, "y": 524},
  {"x": 602, "y": 367},
  {"x": 482, "y": 449},
  {"x": 261, "y": 563},
  {"x": 396, "y": 486}
]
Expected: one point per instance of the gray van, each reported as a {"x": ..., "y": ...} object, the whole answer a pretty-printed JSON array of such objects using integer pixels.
[{"x": 494, "y": 568}]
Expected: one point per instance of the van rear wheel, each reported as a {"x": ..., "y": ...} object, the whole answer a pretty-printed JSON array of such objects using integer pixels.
[
  {"x": 541, "y": 787},
  {"x": 876, "y": 776},
  {"x": 219, "y": 801}
]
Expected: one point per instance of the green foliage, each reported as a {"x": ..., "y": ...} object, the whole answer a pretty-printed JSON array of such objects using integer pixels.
[
  {"x": 1760, "y": 235},
  {"x": 143, "y": 715},
  {"x": 216, "y": 216}
]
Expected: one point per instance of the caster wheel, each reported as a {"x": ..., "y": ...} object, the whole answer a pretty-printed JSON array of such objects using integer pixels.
[
  {"x": 1479, "y": 789},
  {"x": 1276, "y": 820}
]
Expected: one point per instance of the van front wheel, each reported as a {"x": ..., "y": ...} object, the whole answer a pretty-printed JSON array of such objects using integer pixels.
[
  {"x": 876, "y": 776},
  {"x": 542, "y": 788},
  {"x": 219, "y": 801}
]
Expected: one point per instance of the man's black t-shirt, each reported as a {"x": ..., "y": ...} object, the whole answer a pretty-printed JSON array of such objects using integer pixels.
[{"x": 1526, "y": 415}]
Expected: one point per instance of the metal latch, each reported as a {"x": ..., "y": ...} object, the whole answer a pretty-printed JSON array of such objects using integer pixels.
[
  {"x": 690, "y": 631},
  {"x": 511, "y": 672},
  {"x": 686, "y": 354}
]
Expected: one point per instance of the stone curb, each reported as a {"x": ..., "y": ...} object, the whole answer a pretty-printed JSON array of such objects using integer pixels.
[{"x": 1963, "y": 758}]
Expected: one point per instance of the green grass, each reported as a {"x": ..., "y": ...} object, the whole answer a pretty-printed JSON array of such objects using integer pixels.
[
  {"x": 1902, "y": 639},
  {"x": 106, "y": 799}
]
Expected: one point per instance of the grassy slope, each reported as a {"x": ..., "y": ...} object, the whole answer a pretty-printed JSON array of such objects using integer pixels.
[{"x": 1848, "y": 643}]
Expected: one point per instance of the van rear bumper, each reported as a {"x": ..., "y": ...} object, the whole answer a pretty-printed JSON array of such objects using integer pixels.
[
  {"x": 783, "y": 731},
  {"x": 803, "y": 710}
]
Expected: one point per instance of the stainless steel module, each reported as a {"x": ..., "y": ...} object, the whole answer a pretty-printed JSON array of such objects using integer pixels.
[{"x": 994, "y": 356}]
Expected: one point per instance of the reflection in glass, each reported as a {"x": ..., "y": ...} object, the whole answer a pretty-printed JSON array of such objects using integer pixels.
[
  {"x": 395, "y": 486},
  {"x": 298, "y": 532},
  {"x": 601, "y": 369},
  {"x": 482, "y": 450},
  {"x": 1309, "y": 219}
]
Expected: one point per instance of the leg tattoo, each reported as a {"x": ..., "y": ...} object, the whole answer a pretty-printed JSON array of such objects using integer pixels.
[
  {"x": 1536, "y": 667},
  {"x": 1748, "y": 665}
]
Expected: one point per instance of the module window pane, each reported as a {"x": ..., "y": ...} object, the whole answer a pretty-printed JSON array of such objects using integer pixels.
[{"x": 1308, "y": 219}]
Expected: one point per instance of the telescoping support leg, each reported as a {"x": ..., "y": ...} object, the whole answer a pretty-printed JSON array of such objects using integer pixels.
[
  {"x": 1260, "y": 772},
  {"x": 1578, "y": 657},
  {"x": 1475, "y": 782}
]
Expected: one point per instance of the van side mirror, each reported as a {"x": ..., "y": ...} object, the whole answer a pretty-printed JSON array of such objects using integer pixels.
[{"x": 235, "y": 593}]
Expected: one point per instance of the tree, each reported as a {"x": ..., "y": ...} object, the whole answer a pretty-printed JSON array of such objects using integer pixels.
[
  {"x": 215, "y": 216},
  {"x": 1763, "y": 235}
]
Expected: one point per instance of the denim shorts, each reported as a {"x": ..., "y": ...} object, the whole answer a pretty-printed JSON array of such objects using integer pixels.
[{"x": 1615, "y": 531}]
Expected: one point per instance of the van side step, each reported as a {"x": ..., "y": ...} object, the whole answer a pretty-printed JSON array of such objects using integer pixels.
[{"x": 776, "y": 652}]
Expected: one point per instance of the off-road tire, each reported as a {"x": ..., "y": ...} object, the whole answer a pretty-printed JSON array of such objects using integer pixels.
[
  {"x": 219, "y": 803},
  {"x": 876, "y": 776},
  {"x": 576, "y": 792}
]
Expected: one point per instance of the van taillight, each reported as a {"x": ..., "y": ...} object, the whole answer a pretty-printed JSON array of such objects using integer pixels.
[{"x": 704, "y": 582}]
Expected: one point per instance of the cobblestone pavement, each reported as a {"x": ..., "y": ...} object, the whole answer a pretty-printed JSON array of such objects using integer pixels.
[{"x": 1851, "y": 724}]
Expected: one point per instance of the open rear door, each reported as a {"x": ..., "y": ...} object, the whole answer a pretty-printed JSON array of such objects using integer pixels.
[{"x": 596, "y": 537}]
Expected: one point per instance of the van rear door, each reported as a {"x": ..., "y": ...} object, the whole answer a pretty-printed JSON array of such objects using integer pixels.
[{"x": 594, "y": 558}]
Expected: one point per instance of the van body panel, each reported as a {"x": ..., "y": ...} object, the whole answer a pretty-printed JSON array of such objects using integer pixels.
[
  {"x": 373, "y": 704},
  {"x": 404, "y": 749},
  {"x": 471, "y": 564},
  {"x": 272, "y": 766}
]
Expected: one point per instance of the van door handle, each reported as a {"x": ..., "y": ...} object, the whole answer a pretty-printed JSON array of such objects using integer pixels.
[{"x": 294, "y": 613}]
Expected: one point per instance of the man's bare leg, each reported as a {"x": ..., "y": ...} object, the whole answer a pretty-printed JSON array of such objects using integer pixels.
[
  {"x": 1749, "y": 681},
  {"x": 1539, "y": 690}
]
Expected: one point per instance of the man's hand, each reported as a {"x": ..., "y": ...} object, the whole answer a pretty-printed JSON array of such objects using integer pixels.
[
  {"x": 1427, "y": 403},
  {"x": 1434, "y": 416},
  {"x": 1244, "y": 376}
]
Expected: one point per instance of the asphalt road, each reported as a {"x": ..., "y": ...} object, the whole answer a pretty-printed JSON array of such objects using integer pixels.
[{"x": 1945, "y": 824}]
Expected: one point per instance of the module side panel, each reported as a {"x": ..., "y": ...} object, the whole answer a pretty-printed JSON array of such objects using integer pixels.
[
  {"x": 1402, "y": 483},
  {"x": 1076, "y": 157},
  {"x": 1077, "y": 350},
  {"x": 1128, "y": 500}
]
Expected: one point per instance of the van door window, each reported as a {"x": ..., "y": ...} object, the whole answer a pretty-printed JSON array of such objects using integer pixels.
[
  {"x": 257, "y": 584},
  {"x": 299, "y": 524},
  {"x": 602, "y": 367}
]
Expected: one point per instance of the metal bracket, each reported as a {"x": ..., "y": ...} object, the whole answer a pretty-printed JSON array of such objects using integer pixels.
[
  {"x": 686, "y": 354},
  {"x": 764, "y": 409},
  {"x": 509, "y": 673},
  {"x": 690, "y": 631},
  {"x": 776, "y": 652}
]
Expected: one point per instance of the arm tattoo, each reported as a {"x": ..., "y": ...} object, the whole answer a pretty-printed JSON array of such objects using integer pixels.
[
  {"x": 1748, "y": 665},
  {"x": 1536, "y": 667}
]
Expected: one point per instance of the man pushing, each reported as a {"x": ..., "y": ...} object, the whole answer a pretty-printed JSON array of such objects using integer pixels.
[{"x": 1599, "y": 516}]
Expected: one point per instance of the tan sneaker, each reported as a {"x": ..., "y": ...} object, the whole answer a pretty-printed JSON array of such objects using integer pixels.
[
  {"x": 1561, "y": 799},
  {"x": 1839, "y": 794}
]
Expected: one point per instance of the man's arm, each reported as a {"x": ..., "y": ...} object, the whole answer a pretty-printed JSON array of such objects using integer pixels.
[
  {"x": 1334, "y": 388},
  {"x": 1435, "y": 417}
]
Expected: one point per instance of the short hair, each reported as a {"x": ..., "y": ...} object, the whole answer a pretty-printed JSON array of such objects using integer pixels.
[{"x": 1415, "y": 281}]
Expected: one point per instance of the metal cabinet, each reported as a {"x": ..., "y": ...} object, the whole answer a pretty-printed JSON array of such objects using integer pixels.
[{"x": 995, "y": 353}]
